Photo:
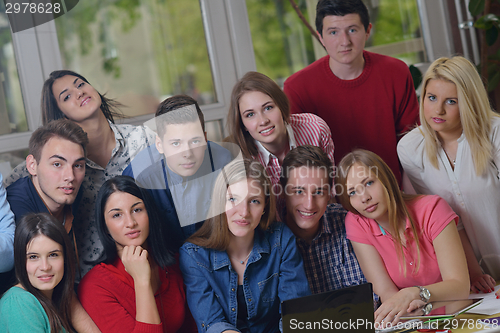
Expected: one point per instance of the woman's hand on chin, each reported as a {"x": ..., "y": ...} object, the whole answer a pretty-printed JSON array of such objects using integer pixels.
[
  {"x": 135, "y": 260},
  {"x": 393, "y": 308}
]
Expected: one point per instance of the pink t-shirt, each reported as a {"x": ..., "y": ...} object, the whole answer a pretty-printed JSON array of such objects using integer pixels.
[{"x": 432, "y": 214}]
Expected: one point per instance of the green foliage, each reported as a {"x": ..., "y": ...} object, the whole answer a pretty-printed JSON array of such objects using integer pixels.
[
  {"x": 395, "y": 21},
  {"x": 476, "y": 7},
  {"x": 416, "y": 75}
]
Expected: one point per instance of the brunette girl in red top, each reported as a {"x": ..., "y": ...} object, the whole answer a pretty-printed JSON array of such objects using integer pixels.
[{"x": 139, "y": 287}]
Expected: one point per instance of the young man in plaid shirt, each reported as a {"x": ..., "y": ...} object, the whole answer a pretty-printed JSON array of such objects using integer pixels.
[{"x": 329, "y": 260}]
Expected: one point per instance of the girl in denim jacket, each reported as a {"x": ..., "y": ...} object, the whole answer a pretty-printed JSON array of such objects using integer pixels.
[{"x": 239, "y": 266}]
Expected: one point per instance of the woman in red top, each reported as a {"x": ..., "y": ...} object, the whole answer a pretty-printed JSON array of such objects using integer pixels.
[{"x": 138, "y": 287}]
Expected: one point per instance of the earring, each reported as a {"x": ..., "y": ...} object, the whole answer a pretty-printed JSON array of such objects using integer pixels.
[{"x": 263, "y": 212}]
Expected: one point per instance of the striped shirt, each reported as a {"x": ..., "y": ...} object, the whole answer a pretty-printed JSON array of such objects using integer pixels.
[
  {"x": 329, "y": 261},
  {"x": 303, "y": 129}
]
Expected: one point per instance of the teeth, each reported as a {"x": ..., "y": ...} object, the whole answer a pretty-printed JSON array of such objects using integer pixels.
[
  {"x": 306, "y": 214},
  {"x": 267, "y": 130}
]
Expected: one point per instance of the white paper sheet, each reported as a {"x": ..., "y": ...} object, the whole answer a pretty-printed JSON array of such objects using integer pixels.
[{"x": 490, "y": 305}]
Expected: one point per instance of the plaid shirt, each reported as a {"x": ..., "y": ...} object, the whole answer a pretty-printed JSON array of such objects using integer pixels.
[{"x": 329, "y": 261}]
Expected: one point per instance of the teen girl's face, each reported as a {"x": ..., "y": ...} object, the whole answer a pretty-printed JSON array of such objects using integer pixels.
[
  {"x": 77, "y": 99},
  {"x": 441, "y": 109},
  {"x": 126, "y": 219},
  {"x": 44, "y": 264},
  {"x": 262, "y": 118},
  {"x": 367, "y": 194},
  {"x": 245, "y": 203}
]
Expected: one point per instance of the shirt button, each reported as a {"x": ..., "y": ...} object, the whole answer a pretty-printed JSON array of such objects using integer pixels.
[
  {"x": 232, "y": 289},
  {"x": 233, "y": 309},
  {"x": 249, "y": 299},
  {"x": 411, "y": 263},
  {"x": 202, "y": 325}
]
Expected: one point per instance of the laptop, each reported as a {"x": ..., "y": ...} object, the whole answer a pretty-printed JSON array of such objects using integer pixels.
[{"x": 348, "y": 310}]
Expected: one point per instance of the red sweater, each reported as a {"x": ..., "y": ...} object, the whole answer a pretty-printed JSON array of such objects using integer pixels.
[
  {"x": 107, "y": 294},
  {"x": 369, "y": 112}
]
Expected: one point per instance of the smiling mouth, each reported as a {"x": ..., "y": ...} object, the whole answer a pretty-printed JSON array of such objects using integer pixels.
[
  {"x": 85, "y": 101},
  {"x": 305, "y": 214},
  {"x": 267, "y": 130},
  {"x": 45, "y": 278}
]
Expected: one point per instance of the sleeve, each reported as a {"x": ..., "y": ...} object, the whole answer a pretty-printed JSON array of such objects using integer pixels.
[
  {"x": 354, "y": 230},
  {"x": 292, "y": 279},
  {"x": 17, "y": 308},
  {"x": 18, "y": 172},
  {"x": 326, "y": 139},
  {"x": 437, "y": 215},
  {"x": 19, "y": 204},
  {"x": 294, "y": 98},
  {"x": 105, "y": 308},
  {"x": 406, "y": 152},
  {"x": 7, "y": 228},
  {"x": 407, "y": 114},
  {"x": 201, "y": 298}
]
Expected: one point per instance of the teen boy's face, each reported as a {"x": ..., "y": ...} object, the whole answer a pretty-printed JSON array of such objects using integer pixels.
[
  {"x": 184, "y": 147},
  {"x": 307, "y": 194},
  {"x": 344, "y": 38}
]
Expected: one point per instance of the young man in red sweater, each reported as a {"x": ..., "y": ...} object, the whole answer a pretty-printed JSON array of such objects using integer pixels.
[{"x": 367, "y": 99}]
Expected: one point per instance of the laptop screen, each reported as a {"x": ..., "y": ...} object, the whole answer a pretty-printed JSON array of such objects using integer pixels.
[{"x": 348, "y": 309}]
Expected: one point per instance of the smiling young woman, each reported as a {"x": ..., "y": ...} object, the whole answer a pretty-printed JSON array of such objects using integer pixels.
[
  {"x": 401, "y": 241},
  {"x": 259, "y": 121},
  {"x": 240, "y": 265},
  {"x": 455, "y": 154},
  {"x": 45, "y": 271}
]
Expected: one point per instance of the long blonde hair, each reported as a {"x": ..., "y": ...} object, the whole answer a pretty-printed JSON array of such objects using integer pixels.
[
  {"x": 475, "y": 110},
  {"x": 396, "y": 200}
]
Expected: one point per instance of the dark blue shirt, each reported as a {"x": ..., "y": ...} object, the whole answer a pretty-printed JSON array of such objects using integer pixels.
[{"x": 182, "y": 202}]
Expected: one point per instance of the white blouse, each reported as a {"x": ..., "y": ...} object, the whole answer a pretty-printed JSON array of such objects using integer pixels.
[{"x": 475, "y": 199}]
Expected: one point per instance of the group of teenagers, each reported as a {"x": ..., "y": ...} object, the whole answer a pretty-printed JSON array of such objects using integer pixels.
[{"x": 117, "y": 228}]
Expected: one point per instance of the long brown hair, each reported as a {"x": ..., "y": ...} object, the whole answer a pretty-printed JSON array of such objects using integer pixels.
[
  {"x": 214, "y": 233},
  {"x": 253, "y": 81},
  {"x": 58, "y": 308},
  {"x": 396, "y": 200}
]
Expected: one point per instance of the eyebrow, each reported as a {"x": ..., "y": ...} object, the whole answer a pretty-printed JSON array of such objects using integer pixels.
[
  {"x": 362, "y": 182},
  {"x": 58, "y": 157},
  {"x": 56, "y": 250},
  {"x": 196, "y": 137},
  {"x": 62, "y": 92}
]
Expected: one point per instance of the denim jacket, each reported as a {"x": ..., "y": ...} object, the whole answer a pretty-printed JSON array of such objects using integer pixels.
[{"x": 274, "y": 273}]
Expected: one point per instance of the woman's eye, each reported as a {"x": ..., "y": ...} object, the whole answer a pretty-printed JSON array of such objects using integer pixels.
[
  {"x": 231, "y": 199},
  {"x": 451, "y": 102},
  {"x": 81, "y": 84},
  {"x": 269, "y": 107},
  {"x": 54, "y": 255},
  {"x": 137, "y": 210},
  {"x": 255, "y": 201},
  {"x": 249, "y": 114},
  {"x": 116, "y": 215},
  {"x": 352, "y": 193},
  {"x": 369, "y": 183},
  {"x": 65, "y": 98},
  {"x": 432, "y": 98},
  {"x": 32, "y": 257}
]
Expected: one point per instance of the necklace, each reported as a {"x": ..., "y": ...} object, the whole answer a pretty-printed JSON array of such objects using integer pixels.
[
  {"x": 243, "y": 261},
  {"x": 452, "y": 161}
]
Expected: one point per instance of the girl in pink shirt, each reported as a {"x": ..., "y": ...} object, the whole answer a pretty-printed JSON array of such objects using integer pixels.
[{"x": 407, "y": 246}]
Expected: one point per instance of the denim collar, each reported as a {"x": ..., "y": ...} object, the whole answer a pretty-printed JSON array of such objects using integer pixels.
[{"x": 220, "y": 259}]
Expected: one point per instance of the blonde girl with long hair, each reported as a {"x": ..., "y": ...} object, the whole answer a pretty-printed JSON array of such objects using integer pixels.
[
  {"x": 408, "y": 246},
  {"x": 455, "y": 154}
]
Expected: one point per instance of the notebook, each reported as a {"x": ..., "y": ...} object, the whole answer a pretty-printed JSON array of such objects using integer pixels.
[{"x": 348, "y": 310}]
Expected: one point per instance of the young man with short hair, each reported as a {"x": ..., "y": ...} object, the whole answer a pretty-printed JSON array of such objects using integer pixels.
[
  {"x": 180, "y": 170},
  {"x": 367, "y": 99},
  {"x": 56, "y": 163},
  {"x": 329, "y": 260}
]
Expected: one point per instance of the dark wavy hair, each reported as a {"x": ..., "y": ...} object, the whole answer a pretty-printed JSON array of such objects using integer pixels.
[
  {"x": 159, "y": 240},
  {"x": 341, "y": 8},
  {"x": 58, "y": 308},
  {"x": 51, "y": 111}
]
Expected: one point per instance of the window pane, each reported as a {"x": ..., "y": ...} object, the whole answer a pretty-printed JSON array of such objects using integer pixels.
[
  {"x": 281, "y": 42},
  {"x": 140, "y": 52},
  {"x": 12, "y": 113}
]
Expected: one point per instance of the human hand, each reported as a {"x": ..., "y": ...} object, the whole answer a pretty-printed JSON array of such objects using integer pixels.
[
  {"x": 393, "y": 308},
  {"x": 415, "y": 304},
  {"x": 135, "y": 260},
  {"x": 482, "y": 282}
]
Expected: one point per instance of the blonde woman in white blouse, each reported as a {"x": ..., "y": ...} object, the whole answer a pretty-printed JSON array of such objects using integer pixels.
[{"x": 455, "y": 154}]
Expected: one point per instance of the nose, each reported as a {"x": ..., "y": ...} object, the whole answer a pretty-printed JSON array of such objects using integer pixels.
[
  {"x": 69, "y": 173},
  {"x": 264, "y": 120},
  {"x": 45, "y": 266},
  {"x": 440, "y": 109},
  {"x": 344, "y": 39},
  {"x": 188, "y": 152},
  {"x": 79, "y": 93},
  {"x": 243, "y": 209},
  {"x": 130, "y": 221},
  {"x": 365, "y": 196},
  {"x": 309, "y": 202}
]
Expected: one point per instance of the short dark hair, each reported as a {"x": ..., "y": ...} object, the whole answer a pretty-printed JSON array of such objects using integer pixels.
[
  {"x": 51, "y": 111},
  {"x": 61, "y": 128},
  {"x": 58, "y": 308},
  {"x": 166, "y": 113},
  {"x": 341, "y": 8},
  {"x": 306, "y": 156},
  {"x": 159, "y": 239},
  {"x": 253, "y": 81}
]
